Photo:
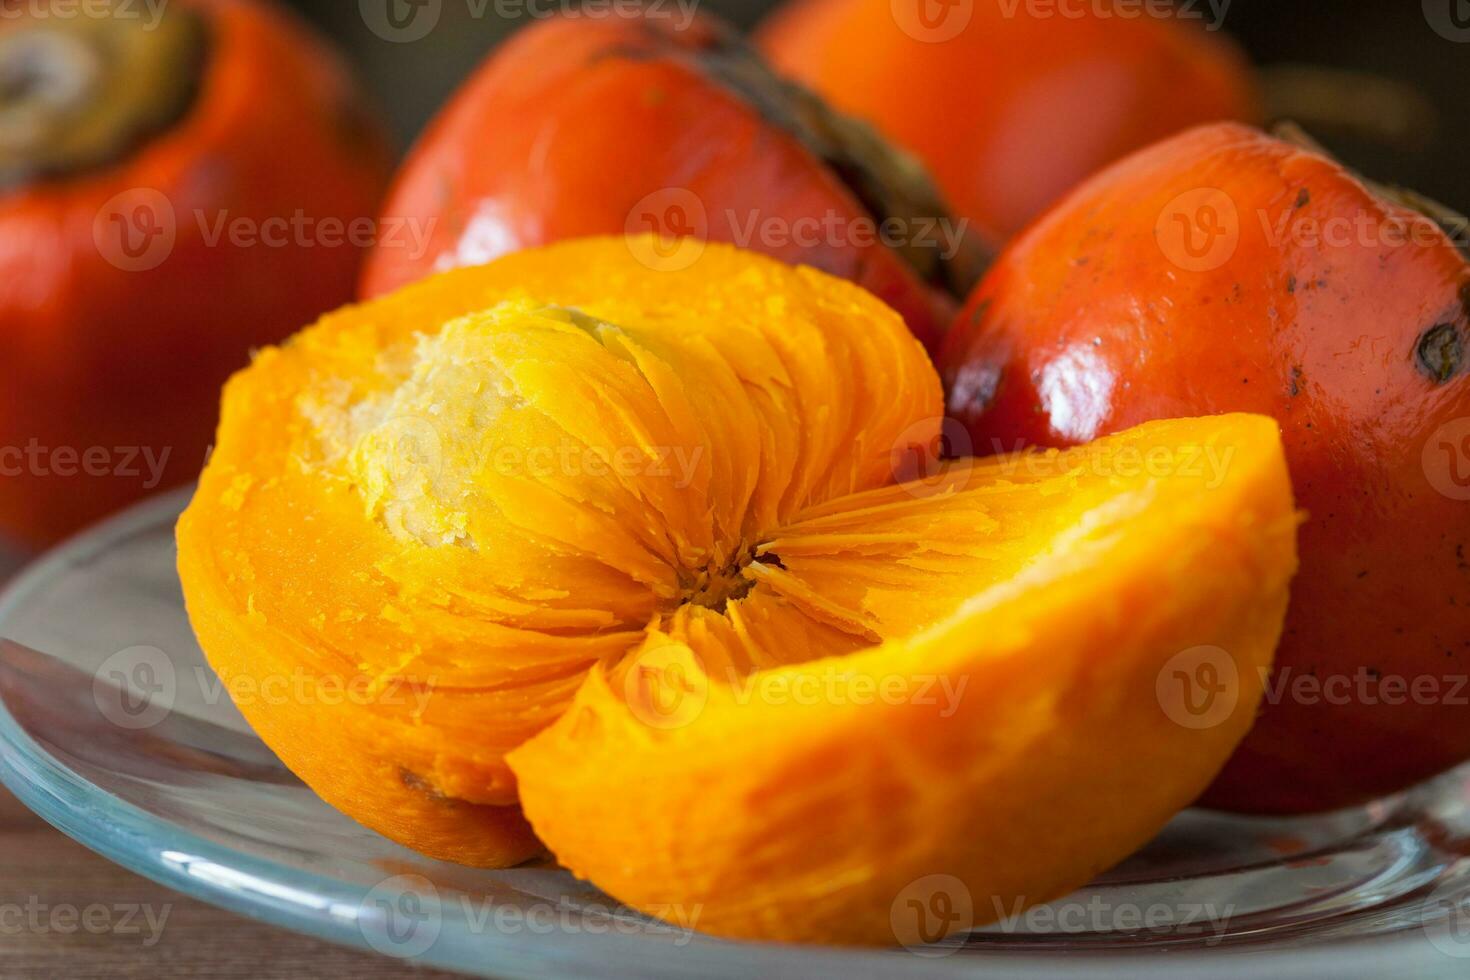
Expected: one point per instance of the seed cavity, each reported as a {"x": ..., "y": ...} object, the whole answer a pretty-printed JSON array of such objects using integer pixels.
[{"x": 716, "y": 588}]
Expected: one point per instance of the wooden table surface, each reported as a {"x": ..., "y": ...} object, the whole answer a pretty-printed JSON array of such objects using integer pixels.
[{"x": 66, "y": 912}]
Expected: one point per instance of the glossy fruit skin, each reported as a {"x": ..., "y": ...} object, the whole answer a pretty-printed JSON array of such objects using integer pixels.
[
  {"x": 1315, "y": 301},
  {"x": 1013, "y": 108},
  {"x": 569, "y": 128},
  {"x": 97, "y": 356}
]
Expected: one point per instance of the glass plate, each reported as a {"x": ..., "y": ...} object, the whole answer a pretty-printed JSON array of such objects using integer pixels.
[{"x": 113, "y": 728}]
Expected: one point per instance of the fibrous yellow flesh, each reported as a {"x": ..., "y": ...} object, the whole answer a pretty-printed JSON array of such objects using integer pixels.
[
  {"x": 508, "y": 485},
  {"x": 487, "y": 484},
  {"x": 466, "y": 441}
]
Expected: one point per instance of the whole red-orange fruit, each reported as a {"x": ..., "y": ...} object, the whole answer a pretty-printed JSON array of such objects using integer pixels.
[
  {"x": 178, "y": 184},
  {"x": 1010, "y": 103},
  {"x": 635, "y": 123},
  {"x": 1224, "y": 270}
]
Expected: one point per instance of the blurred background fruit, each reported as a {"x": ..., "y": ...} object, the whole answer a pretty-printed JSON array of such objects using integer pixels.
[
  {"x": 1011, "y": 103},
  {"x": 1010, "y": 106},
  {"x": 414, "y": 69},
  {"x": 178, "y": 184},
  {"x": 636, "y": 124},
  {"x": 412, "y": 54}
]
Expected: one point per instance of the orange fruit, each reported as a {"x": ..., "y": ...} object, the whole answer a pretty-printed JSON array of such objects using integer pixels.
[{"x": 628, "y": 544}]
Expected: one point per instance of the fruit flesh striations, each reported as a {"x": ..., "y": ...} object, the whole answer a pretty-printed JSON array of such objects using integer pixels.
[{"x": 568, "y": 479}]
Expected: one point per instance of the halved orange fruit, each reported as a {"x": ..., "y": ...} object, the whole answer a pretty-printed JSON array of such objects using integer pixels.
[{"x": 625, "y": 542}]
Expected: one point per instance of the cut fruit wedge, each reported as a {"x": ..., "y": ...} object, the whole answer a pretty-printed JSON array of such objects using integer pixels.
[
  {"x": 1075, "y": 642},
  {"x": 628, "y": 547}
]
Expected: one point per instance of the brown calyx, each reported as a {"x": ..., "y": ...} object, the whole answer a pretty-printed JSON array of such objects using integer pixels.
[{"x": 80, "y": 92}]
